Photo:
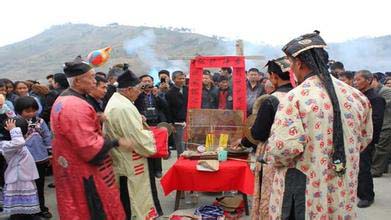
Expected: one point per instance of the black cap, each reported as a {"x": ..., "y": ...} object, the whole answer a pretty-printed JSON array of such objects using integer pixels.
[
  {"x": 303, "y": 43},
  {"x": 76, "y": 67},
  {"x": 282, "y": 62},
  {"x": 127, "y": 78}
]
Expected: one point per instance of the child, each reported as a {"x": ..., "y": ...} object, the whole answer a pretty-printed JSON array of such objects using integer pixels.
[
  {"x": 5, "y": 113},
  {"x": 20, "y": 193},
  {"x": 38, "y": 141}
]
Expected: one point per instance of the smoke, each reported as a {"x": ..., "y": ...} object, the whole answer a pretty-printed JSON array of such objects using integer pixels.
[
  {"x": 251, "y": 49},
  {"x": 144, "y": 47},
  {"x": 365, "y": 53}
]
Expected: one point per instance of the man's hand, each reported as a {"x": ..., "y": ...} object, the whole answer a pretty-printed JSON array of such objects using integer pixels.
[
  {"x": 163, "y": 87},
  {"x": 155, "y": 91},
  {"x": 126, "y": 143},
  {"x": 236, "y": 145},
  {"x": 102, "y": 117},
  {"x": 143, "y": 118},
  {"x": 10, "y": 124}
]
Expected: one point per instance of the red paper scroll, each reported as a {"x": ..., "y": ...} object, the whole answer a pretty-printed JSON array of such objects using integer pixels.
[{"x": 238, "y": 79}]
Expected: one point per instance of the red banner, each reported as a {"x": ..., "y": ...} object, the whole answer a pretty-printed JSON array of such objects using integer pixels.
[{"x": 238, "y": 79}]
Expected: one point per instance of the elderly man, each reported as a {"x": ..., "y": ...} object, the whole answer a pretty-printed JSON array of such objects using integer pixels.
[
  {"x": 318, "y": 132},
  {"x": 131, "y": 168},
  {"x": 177, "y": 104},
  {"x": 362, "y": 81},
  {"x": 85, "y": 183}
]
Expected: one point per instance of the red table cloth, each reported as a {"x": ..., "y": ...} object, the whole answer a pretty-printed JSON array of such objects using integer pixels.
[{"x": 232, "y": 175}]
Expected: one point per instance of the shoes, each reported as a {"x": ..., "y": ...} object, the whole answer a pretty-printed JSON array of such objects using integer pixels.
[
  {"x": 364, "y": 203},
  {"x": 158, "y": 174},
  {"x": 45, "y": 214},
  {"x": 376, "y": 175}
]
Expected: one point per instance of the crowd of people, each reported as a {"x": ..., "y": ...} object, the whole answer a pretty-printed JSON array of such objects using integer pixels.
[{"x": 322, "y": 141}]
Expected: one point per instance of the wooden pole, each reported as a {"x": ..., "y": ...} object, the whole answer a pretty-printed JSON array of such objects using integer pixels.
[{"x": 239, "y": 47}]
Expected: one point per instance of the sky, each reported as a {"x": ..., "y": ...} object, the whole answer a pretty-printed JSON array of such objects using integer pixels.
[{"x": 272, "y": 22}]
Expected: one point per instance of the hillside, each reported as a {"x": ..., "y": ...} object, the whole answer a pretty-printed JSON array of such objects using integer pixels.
[{"x": 147, "y": 49}]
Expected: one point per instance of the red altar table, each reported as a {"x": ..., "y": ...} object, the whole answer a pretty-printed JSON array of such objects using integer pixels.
[{"x": 232, "y": 175}]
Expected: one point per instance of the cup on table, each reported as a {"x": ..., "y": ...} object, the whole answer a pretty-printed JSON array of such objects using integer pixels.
[{"x": 222, "y": 155}]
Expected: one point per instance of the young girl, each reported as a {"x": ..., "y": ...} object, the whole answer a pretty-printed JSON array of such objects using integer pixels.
[
  {"x": 20, "y": 193},
  {"x": 38, "y": 141}
]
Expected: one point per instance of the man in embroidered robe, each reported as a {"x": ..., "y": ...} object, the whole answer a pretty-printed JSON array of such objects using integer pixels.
[
  {"x": 83, "y": 173},
  {"x": 131, "y": 168},
  {"x": 319, "y": 130}
]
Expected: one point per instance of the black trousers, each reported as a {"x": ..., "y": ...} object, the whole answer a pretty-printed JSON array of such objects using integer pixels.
[
  {"x": 152, "y": 180},
  {"x": 365, "y": 180},
  {"x": 124, "y": 195},
  {"x": 155, "y": 165},
  {"x": 41, "y": 167},
  {"x": 22, "y": 217},
  {"x": 293, "y": 205}
]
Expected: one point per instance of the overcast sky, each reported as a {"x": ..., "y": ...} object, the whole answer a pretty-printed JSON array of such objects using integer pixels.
[{"x": 273, "y": 22}]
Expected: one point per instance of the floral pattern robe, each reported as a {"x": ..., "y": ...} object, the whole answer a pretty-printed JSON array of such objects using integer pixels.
[{"x": 302, "y": 138}]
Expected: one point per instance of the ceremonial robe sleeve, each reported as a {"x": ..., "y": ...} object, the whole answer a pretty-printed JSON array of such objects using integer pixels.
[
  {"x": 288, "y": 138},
  {"x": 126, "y": 124}
]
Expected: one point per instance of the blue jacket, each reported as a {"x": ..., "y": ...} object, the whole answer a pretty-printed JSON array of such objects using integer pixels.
[{"x": 39, "y": 139}]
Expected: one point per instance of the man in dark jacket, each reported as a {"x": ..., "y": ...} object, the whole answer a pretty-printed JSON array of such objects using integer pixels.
[
  {"x": 165, "y": 83},
  {"x": 154, "y": 109},
  {"x": 112, "y": 77},
  {"x": 362, "y": 81},
  {"x": 209, "y": 92},
  {"x": 60, "y": 83},
  {"x": 177, "y": 103},
  {"x": 254, "y": 88},
  {"x": 96, "y": 95}
]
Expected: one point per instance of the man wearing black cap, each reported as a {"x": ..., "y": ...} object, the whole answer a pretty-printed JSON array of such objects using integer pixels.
[
  {"x": 278, "y": 70},
  {"x": 85, "y": 181},
  {"x": 318, "y": 132},
  {"x": 131, "y": 168}
]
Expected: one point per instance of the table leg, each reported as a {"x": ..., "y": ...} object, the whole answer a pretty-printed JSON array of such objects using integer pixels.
[
  {"x": 177, "y": 199},
  {"x": 246, "y": 209}
]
